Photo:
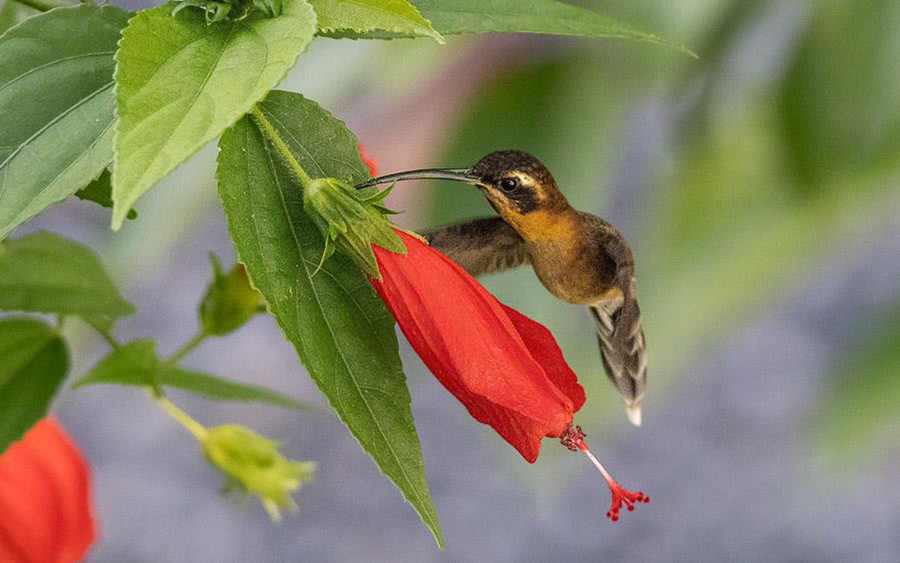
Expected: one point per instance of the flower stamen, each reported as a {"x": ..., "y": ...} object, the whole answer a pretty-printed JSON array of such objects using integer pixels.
[{"x": 573, "y": 438}]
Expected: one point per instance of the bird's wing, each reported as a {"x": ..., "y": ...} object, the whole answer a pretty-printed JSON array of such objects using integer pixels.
[
  {"x": 622, "y": 345},
  {"x": 481, "y": 246}
]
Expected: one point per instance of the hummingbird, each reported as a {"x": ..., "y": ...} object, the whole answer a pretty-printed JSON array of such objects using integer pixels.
[{"x": 577, "y": 256}]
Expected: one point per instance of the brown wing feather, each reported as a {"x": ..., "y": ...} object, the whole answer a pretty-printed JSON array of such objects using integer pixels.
[{"x": 481, "y": 246}]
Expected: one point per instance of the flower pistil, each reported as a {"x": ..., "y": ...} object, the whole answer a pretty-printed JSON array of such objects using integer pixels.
[{"x": 573, "y": 438}]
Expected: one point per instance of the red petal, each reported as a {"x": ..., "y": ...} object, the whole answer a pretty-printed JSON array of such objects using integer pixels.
[
  {"x": 545, "y": 351},
  {"x": 468, "y": 341},
  {"x": 45, "y": 505}
]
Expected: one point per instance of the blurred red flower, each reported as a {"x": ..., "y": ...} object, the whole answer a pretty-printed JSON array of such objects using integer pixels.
[
  {"x": 45, "y": 499},
  {"x": 505, "y": 368},
  {"x": 370, "y": 162}
]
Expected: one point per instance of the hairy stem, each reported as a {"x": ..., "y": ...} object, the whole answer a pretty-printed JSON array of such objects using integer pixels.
[{"x": 265, "y": 126}]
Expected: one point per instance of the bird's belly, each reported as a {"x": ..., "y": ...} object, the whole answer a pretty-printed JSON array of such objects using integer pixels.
[{"x": 568, "y": 281}]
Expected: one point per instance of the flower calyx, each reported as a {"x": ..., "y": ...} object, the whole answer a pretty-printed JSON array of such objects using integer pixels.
[
  {"x": 252, "y": 463},
  {"x": 352, "y": 220}
]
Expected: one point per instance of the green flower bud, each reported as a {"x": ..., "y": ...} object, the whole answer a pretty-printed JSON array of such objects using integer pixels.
[
  {"x": 351, "y": 220},
  {"x": 230, "y": 300},
  {"x": 253, "y": 464},
  {"x": 230, "y": 10}
]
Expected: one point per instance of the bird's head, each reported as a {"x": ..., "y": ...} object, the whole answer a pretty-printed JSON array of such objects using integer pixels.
[{"x": 516, "y": 184}]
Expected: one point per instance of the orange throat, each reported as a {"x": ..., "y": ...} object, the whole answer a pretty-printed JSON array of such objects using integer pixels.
[{"x": 546, "y": 225}]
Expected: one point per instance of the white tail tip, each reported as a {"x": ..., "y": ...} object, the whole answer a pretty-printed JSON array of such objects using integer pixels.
[{"x": 633, "y": 412}]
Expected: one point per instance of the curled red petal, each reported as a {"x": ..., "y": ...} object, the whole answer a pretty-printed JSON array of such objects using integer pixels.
[
  {"x": 476, "y": 349},
  {"x": 45, "y": 499}
]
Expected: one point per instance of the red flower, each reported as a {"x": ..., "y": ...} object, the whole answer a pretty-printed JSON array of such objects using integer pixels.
[
  {"x": 45, "y": 500},
  {"x": 504, "y": 367}
]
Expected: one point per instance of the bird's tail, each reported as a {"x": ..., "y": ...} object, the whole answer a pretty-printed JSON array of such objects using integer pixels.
[{"x": 622, "y": 347}]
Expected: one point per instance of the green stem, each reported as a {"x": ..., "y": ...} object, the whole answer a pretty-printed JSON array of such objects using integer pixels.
[
  {"x": 198, "y": 430},
  {"x": 41, "y": 5},
  {"x": 186, "y": 349},
  {"x": 269, "y": 131}
]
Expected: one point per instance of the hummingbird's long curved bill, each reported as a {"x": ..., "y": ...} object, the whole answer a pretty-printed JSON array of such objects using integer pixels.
[{"x": 466, "y": 175}]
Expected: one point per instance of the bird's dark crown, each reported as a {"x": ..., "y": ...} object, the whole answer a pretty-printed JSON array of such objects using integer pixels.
[
  {"x": 517, "y": 182},
  {"x": 498, "y": 164}
]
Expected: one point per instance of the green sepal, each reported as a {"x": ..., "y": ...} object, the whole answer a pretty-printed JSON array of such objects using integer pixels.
[
  {"x": 252, "y": 463},
  {"x": 377, "y": 200},
  {"x": 351, "y": 221},
  {"x": 326, "y": 253},
  {"x": 378, "y": 197}
]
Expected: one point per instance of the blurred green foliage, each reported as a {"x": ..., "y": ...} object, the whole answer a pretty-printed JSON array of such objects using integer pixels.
[
  {"x": 840, "y": 101},
  {"x": 860, "y": 408}
]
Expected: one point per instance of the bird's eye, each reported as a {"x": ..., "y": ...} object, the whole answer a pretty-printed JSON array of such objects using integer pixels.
[{"x": 509, "y": 184}]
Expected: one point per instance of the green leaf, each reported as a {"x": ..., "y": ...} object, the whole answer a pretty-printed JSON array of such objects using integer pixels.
[
  {"x": 397, "y": 16},
  {"x": 33, "y": 363},
  {"x": 46, "y": 273},
  {"x": 56, "y": 91},
  {"x": 450, "y": 17},
  {"x": 100, "y": 192},
  {"x": 219, "y": 389},
  {"x": 181, "y": 82},
  {"x": 340, "y": 328},
  {"x": 137, "y": 363}
]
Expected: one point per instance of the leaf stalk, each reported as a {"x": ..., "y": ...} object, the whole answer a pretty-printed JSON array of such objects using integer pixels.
[{"x": 267, "y": 129}]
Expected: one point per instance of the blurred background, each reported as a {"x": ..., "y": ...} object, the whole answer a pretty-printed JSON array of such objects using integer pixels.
[{"x": 759, "y": 187}]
